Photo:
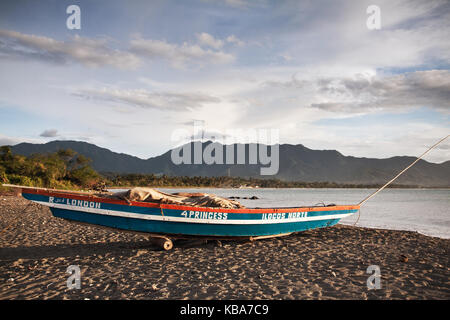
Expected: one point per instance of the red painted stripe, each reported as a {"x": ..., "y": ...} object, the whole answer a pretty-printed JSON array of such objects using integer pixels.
[{"x": 178, "y": 207}]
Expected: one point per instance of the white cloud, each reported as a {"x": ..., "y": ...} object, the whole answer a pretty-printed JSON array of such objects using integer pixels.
[
  {"x": 413, "y": 33},
  {"x": 167, "y": 101},
  {"x": 208, "y": 40},
  {"x": 89, "y": 52},
  {"x": 8, "y": 141},
  {"x": 11, "y": 141},
  {"x": 97, "y": 53},
  {"x": 178, "y": 55},
  {"x": 233, "y": 39}
]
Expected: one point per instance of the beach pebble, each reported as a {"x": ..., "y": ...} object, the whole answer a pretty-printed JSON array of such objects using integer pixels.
[
  {"x": 141, "y": 252},
  {"x": 18, "y": 262}
]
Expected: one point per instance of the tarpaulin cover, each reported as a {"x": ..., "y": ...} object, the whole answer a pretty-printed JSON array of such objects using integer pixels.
[{"x": 180, "y": 198}]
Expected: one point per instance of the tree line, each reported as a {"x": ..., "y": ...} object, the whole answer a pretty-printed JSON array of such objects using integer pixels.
[{"x": 64, "y": 169}]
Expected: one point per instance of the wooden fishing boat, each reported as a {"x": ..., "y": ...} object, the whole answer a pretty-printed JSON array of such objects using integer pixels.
[{"x": 168, "y": 221}]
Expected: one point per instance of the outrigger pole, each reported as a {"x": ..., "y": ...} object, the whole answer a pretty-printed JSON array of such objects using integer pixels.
[
  {"x": 398, "y": 175},
  {"x": 47, "y": 189}
]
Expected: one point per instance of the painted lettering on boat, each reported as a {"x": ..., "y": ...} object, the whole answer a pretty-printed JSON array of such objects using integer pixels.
[
  {"x": 282, "y": 215},
  {"x": 82, "y": 203},
  {"x": 273, "y": 216},
  {"x": 294, "y": 215},
  {"x": 205, "y": 215},
  {"x": 57, "y": 200}
]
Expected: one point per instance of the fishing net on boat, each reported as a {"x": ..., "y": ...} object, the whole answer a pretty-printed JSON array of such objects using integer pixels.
[{"x": 181, "y": 198}]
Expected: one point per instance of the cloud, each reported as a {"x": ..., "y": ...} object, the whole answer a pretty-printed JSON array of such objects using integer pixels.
[
  {"x": 49, "y": 133},
  {"x": 414, "y": 89},
  {"x": 89, "y": 52},
  {"x": 233, "y": 39},
  {"x": 11, "y": 141},
  {"x": 167, "y": 101},
  {"x": 8, "y": 141},
  {"x": 413, "y": 33},
  {"x": 366, "y": 93},
  {"x": 208, "y": 40},
  {"x": 179, "y": 55},
  {"x": 97, "y": 53},
  {"x": 292, "y": 83}
]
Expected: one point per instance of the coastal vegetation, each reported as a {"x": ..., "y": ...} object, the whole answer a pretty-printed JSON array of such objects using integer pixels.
[{"x": 66, "y": 169}]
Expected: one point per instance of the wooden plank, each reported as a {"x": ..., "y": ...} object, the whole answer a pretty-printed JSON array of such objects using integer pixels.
[{"x": 269, "y": 236}]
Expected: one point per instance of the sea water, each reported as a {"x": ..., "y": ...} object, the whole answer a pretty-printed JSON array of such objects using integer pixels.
[{"x": 423, "y": 210}]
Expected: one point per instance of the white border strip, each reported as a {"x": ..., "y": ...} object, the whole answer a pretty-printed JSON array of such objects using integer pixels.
[{"x": 188, "y": 220}]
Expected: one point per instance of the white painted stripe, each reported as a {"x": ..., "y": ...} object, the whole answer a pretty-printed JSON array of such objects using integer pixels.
[{"x": 188, "y": 220}]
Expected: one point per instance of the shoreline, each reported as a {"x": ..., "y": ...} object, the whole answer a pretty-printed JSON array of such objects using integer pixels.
[
  {"x": 329, "y": 263},
  {"x": 388, "y": 229}
]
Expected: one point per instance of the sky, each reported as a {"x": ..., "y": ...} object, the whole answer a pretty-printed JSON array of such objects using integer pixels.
[{"x": 138, "y": 71}]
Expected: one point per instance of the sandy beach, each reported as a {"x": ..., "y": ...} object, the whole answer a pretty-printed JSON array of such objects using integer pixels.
[{"x": 36, "y": 249}]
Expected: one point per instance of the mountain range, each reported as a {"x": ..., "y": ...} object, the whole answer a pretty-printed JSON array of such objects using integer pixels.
[{"x": 296, "y": 163}]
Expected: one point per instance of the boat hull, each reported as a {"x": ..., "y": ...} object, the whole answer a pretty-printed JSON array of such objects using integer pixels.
[{"x": 182, "y": 220}]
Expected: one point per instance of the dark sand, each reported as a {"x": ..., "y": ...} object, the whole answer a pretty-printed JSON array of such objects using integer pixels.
[{"x": 330, "y": 263}]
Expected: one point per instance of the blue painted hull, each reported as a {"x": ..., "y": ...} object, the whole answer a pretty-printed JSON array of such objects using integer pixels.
[
  {"x": 203, "y": 229},
  {"x": 192, "y": 221}
]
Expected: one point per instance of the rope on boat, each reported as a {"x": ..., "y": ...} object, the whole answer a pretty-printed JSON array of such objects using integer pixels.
[
  {"x": 398, "y": 175},
  {"x": 359, "y": 215}
]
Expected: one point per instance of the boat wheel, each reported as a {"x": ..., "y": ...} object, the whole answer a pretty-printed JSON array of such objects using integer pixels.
[{"x": 164, "y": 243}]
